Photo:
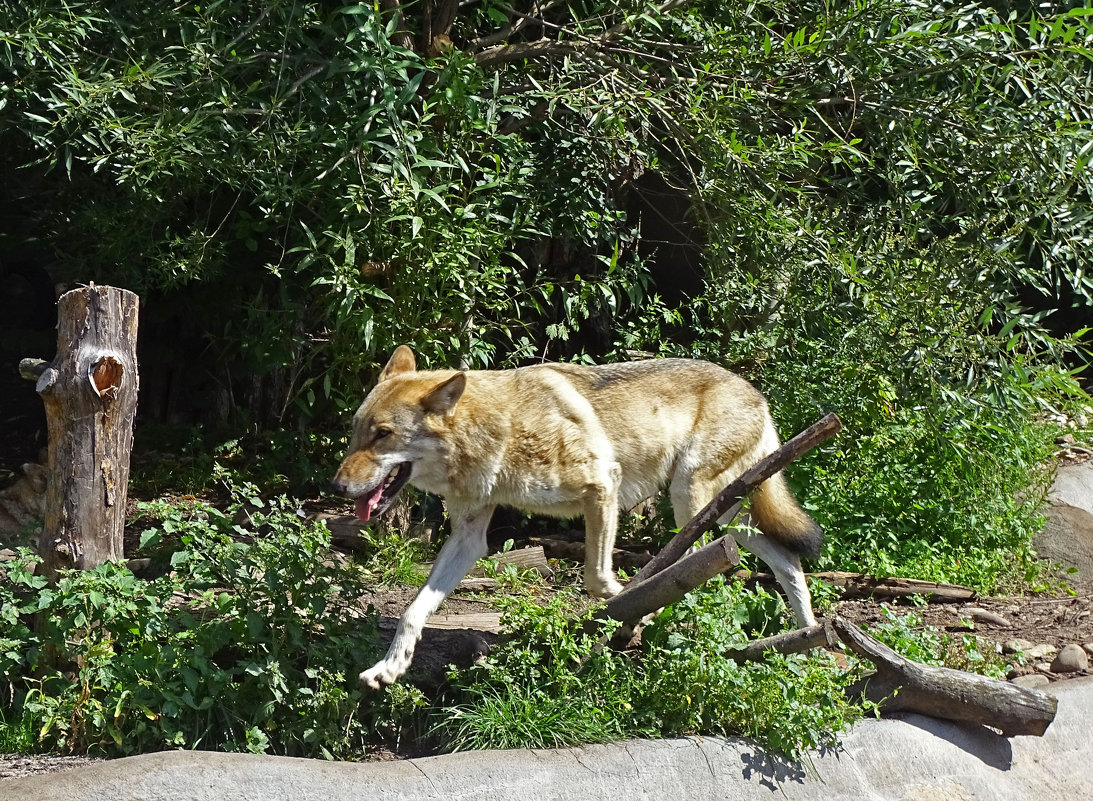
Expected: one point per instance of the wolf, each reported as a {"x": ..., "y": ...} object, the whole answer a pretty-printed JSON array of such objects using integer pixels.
[{"x": 566, "y": 440}]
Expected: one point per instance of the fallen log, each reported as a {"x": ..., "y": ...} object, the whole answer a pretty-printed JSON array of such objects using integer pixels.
[
  {"x": 672, "y": 583},
  {"x": 729, "y": 500},
  {"x": 574, "y": 551},
  {"x": 859, "y": 585},
  {"x": 902, "y": 685}
]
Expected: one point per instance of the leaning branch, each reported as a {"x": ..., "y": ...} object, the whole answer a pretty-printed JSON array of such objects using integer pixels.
[{"x": 727, "y": 502}]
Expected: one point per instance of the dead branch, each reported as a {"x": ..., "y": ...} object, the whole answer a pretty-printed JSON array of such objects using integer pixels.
[
  {"x": 729, "y": 499},
  {"x": 32, "y": 369},
  {"x": 791, "y": 642},
  {"x": 859, "y": 585},
  {"x": 672, "y": 583}
]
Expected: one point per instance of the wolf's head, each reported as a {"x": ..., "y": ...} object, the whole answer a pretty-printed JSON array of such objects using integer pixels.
[{"x": 395, "y": 432}]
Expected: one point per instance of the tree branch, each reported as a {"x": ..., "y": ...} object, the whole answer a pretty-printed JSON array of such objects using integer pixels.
[
  {"x": 728, "y": 500},
  {"x": 504, "y": 54},
  {"x": 402, "y": 36}
]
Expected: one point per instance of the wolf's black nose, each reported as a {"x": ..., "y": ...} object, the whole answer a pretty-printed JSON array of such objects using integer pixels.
[{"x": 339, "y": 485}]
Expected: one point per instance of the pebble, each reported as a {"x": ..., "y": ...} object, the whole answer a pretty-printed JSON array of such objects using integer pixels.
[
  {"x": 1031, "y": 681},
  {"x": 1016, "y": 645},
  {"x": 983, "y": 616},
  {"x": 1088, "y": 646},
  {"x": 1071, "y": 659},
  {"x": 1040, "y": 651}
]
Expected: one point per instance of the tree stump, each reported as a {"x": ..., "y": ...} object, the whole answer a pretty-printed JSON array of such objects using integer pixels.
[{"x": 90, "y": 397}]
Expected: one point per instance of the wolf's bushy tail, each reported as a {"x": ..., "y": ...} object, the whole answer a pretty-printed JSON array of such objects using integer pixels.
[{"x": 776, "y": 512}]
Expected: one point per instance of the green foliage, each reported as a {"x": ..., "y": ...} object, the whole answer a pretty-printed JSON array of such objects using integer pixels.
[
  {"x": 882, "y": 189},
  {"x": 247, "y": 645},
  {"x": 909, "y": 636},
  {"x": 549, "y": 685}
]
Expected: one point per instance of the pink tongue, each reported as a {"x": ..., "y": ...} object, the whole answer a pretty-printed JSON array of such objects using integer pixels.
[{"x": 365, "y": 505}]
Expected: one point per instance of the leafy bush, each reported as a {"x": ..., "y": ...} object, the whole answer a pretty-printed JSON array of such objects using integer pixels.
[
  {"x": 247, "y": 645},
  {"x": 908, "y": 635},
  {"x": 548, "y": 684}
]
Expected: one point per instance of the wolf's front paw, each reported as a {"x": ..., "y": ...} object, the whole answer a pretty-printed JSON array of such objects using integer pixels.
[
  {"x": 602, "y": 587},
  {"x": 379, "y": 676}
]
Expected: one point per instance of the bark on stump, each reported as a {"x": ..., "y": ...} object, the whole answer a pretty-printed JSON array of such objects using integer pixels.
[{"x": 90, "y": 397}]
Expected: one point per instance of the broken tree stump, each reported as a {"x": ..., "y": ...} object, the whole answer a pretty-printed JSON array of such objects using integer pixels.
[
  {"x": 902, "y": 685},
  {"x": 90, "y": 397}
]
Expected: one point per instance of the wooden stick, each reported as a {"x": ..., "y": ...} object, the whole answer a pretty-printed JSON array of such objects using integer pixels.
[
  {"x": 672, "y": 583},
  {"x": 859, "y": 585},
  {"x": 791, "y": 642},
  {"x": 902, "y": 685},
  {"x": 730, "y": 497}
]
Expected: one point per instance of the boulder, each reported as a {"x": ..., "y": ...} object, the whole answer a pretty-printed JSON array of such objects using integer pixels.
[{"x": 1067, "y": 538}]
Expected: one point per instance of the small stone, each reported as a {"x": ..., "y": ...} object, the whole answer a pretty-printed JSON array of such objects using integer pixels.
[
  {"x": 1071, "y": 659},
  {"x": 984, "y": 616},
  {"x": 1042, "y": 667},
  {"x": 1016, "y": 645},
  {"x": 1032, "y": 681},
  {"x": 1040, "y": 651},
  {"x": 1088, "y": 647}
]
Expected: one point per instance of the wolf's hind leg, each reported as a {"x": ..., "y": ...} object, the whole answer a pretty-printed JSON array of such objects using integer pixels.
[
  {"x": 786, "y": 567},
  {"x": 464, "y": 547},
  {"x": 689, "y": 496}
]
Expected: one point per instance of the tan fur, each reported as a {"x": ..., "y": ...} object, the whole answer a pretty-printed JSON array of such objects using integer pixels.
[{"x": 568, "y": 440}]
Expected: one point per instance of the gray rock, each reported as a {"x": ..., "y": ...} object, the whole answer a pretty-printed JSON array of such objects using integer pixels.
[
  {"x": 1088, "y": 647},
  {"x": 1070, "y": 660},
  {"x": 1040, "y": 651},
  {"x": 1067, "y": 538},
  {"x": 1016, "y": 645},
  {"x": 1031, "y": 681},
  {"x": 915, "y": 757}
]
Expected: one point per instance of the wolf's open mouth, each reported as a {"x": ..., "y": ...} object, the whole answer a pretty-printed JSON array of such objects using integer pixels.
[{"x": 377, "y": 501}]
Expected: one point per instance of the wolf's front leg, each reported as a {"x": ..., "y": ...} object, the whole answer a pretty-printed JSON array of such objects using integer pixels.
[
  {"x": 601, "y": 521},
  {"x": 464, "y": 547}
]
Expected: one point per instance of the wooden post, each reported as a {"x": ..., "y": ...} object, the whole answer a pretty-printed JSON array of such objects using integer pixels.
[{"x": 90, "y": 395}]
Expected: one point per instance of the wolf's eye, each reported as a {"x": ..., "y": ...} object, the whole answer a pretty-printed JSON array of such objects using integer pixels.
[{"x": 381, "y": 433}]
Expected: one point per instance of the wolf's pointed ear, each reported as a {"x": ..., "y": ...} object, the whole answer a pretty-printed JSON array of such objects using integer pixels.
[
  {"x": 443, "y": 397},
  {"x": 401, "y": 361}
]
